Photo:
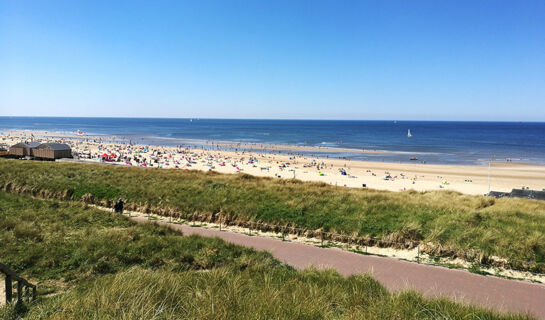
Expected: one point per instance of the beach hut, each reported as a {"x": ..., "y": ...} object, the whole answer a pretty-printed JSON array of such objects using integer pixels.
[
  {"x": 23, "y": 149},
  {"x": 4, "y": 149},
  {"x": 52, "y": 151}
]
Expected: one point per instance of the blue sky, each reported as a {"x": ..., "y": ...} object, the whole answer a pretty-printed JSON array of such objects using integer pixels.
[{"x": 423, "y": 60}]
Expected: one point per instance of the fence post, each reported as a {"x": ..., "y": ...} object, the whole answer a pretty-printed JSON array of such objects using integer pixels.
[
  {"x": 170, "y": 219},
  {"x": 33, "y": 293},
  {"x": 8, "y": 289},
  {"x": 19, "y": 291},
  {"x": 322, "y": 240},
  {"x": 418, "y": 254},
  {"x": 220, "y": 225}
]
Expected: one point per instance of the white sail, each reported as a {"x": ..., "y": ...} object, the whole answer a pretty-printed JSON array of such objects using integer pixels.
[{"x": 409, "y": 134}]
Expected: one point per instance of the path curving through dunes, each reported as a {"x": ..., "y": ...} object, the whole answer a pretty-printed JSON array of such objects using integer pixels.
[{"x": 460, "y": 285}]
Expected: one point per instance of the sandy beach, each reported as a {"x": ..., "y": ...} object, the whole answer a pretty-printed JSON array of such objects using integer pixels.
[{"x": 504, "y": 176}]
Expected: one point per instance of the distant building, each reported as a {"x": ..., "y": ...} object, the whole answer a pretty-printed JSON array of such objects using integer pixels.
[
  {"x": 498, "y": 194},
  {"x": 52, "y": 151},
  {"x": 4, "y": 149},
  {"x": 22, "y": 149},
  {"x": 528, "y": 194},
  {"x": 519, "y": 193}
]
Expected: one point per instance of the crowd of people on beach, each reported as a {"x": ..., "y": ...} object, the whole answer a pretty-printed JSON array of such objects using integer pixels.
[{"x": 280, "y": 163}]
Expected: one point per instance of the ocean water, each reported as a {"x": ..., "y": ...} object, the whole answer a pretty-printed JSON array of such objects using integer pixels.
[{"x": 431, "y": 141}]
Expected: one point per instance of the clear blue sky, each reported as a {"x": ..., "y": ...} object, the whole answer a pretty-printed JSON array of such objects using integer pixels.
[{"x": 428, "y": 60}]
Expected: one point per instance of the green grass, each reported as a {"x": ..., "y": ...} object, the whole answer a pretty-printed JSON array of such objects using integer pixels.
[
  {"x": 446, "y": 223},
  {"x": 52, "y": 240},
  {"x": 90, "y": 264}
]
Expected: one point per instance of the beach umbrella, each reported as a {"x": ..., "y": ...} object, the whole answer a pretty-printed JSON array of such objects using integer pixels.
[
  {"x": 105, "y": 155},
  {"x": 112, "y": 155}
]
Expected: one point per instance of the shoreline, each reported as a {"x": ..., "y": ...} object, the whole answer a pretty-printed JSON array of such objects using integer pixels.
[
  {"x": 210, "y": 143},
  {"x": 323, "y": 152},
  {"x": 271, "y": 162}
]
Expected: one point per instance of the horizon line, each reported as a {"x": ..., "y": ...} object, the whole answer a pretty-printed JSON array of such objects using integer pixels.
[{"x": 271, "y": 119}]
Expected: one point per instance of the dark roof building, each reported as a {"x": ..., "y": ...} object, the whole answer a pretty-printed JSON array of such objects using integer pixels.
[
  {"x": 519, "y": 193},
  {"x": 498, "y": 194},
  {"x": 56, "y": 146},
  {"x": 52, "y": 151},
  {"x": 539, "y": 195},
  {"x": 23, "y": 149}
]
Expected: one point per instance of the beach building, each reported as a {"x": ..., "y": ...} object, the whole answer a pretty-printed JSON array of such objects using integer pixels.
[
  {"x": 52, "y": 151},
  {"x": 527, "y": 194},
  {"x": 4, "y": 149},
  {"x": 23, "y": 149},
  {"x": 519, "y": 193}
]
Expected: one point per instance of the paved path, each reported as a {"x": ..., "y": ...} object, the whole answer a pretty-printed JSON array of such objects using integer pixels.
[{"x": 432, "y": 281}]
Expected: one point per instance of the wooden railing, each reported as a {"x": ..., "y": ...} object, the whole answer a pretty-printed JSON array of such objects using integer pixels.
[{"x": 21, "y": 283}]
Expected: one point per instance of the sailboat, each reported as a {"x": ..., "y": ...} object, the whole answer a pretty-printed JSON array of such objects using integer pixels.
[{"x": 409, "y": 134}]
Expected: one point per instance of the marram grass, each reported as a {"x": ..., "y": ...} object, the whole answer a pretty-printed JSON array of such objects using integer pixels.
[
  {"x": 254, "y": 293},
  {"x": 509, "y": 228},
  {"x": 90, "y": 264}
]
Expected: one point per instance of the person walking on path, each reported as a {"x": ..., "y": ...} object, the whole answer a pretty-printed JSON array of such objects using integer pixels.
[{"x": 118, "y": 207}]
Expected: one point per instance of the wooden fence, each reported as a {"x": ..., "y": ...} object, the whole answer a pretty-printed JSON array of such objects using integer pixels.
[{"x": 22, "y": 283}]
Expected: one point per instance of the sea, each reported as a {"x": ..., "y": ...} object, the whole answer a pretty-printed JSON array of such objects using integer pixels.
[{"x": 441, "y": 142}]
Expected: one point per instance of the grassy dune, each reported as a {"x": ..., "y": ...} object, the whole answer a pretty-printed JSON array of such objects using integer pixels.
[
  {"x": 449, "y": 222},
  {"x": 93, "y": 265}
]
